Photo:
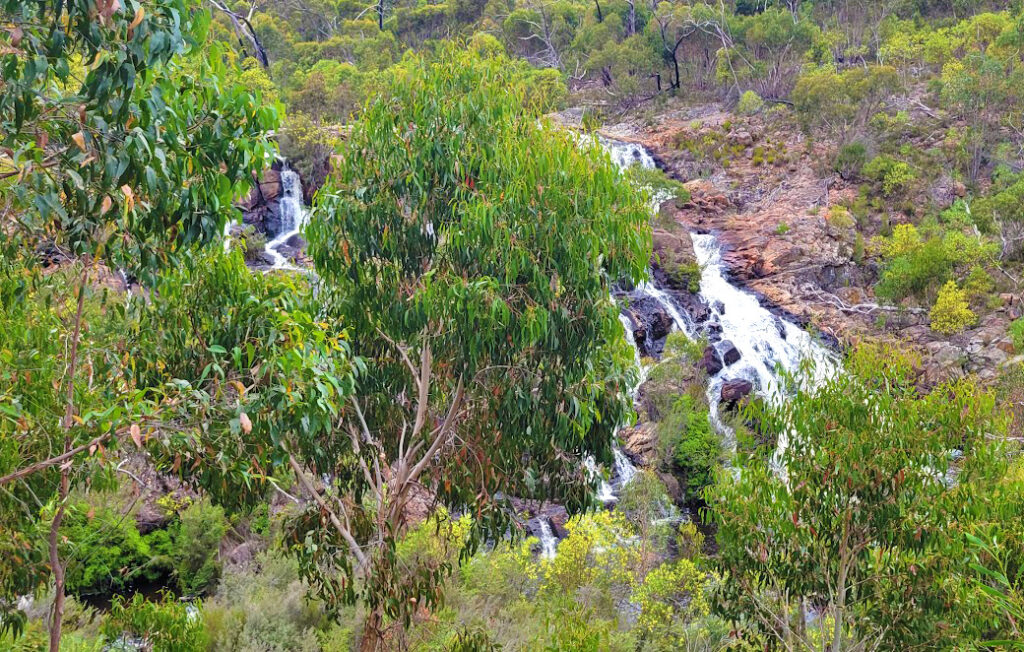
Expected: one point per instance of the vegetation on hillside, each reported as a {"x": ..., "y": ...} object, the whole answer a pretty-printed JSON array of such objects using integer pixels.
[{"x": 198, "y": 456}]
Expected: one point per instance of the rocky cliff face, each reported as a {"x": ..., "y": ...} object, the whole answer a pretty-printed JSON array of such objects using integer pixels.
[{"x": 261, "y": 208}]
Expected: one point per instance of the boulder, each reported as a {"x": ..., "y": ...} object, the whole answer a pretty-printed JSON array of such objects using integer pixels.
[
  {"x": 734, "y": 390},
  {"x": 640, "y": 442},
  {"x": 730, "y": 354},
  {"x": 710, "y": 361},
  {"x": 661, "y": 324},
  {"x": 270, "y": 185}
]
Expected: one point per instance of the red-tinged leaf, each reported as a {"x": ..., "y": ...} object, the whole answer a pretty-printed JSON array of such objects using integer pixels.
[
  {"x": 136, "y": 434},
  {"x": 140, "y": 13}
]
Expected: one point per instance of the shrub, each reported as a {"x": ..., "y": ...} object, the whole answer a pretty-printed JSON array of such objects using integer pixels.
[
  {"x": 978, "y": 283},
  {"x": 263, "y": 607},
  {"x": 919, "y": 267},
  {"x": 840, "y": 218},
  {"x": 108, "y": 554},
  {"x": 672, "y": 595},
  {"x": 694, "y": 447},
  {"x": 686, "y": 275},
  {"x": 167, "y": 626},
  {"x": 252, "y": 243},
  {"x": 951, "y": 313},
  {"x": 1017, "y": 333},
  {"x": 197, "y": 537},
  {"x": 850, "y": 160},
  {"x": 893, "y": 176},
  {"x": 750, "y": 103}
]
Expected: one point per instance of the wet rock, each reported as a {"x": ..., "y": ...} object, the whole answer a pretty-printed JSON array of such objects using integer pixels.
[
  {"x": 700, "y": 312},
  {"x": 730, "y": 354},
  {"x": 780, "y": 327},
  {"x": 270, "y": 185},
  {"x": 710, "y": 362},
  {"x": 652, "y": 325},
  {"x": 734, "y": 390},
  {"x": 660, "y": 324}
]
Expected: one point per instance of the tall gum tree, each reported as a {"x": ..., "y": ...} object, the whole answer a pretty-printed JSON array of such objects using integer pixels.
[{"x": 470, "y": 249}]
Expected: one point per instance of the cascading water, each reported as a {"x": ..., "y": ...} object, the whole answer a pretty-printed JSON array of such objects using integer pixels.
[
  {"x": 293, "y": 218},
  {"x": 766, "y": 343},
  {"x": 548, "y": 540}
]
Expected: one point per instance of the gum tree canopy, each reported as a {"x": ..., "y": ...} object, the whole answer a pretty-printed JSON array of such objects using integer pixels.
[{"x": 470, "y": 249}]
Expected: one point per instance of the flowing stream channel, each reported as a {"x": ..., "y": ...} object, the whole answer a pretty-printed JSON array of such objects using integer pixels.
[{"x": 768, "y": 345}]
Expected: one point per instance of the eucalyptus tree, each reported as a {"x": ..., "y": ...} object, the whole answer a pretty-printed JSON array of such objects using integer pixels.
[
  {"x": 470, "y": 249},
  {"x": 863, "y": 513},
  {"x": 121, "y": 146}
]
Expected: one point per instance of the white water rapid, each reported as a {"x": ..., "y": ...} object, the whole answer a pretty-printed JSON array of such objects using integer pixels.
[
  {"x": 548, "y": 540},
  {"x": 293, "y": 218},
  {"x": 767, "y": 344}
]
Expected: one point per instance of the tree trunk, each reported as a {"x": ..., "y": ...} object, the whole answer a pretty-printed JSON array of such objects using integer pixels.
[
  {"x": 380, "y": 15},
  {"x": 57, "y": 613},
  {"x": 373, "y": 634},
  {"x": 600, "y": 16}
]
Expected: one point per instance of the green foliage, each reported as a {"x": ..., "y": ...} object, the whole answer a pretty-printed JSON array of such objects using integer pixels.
[
  {"x": 850, "y": 160},
  {"x": 915, "y": 266},
  {"x": 450, "y": 205},
  {"x": 978, "y": 283},
  {"x": 1002, "y": 205},
  {"x": 107, "y": 553},
  {"x": 36, "y": 324},
  {"x": 129, "y": 136},
  {"x": 951, "y": 313},
  {"x": 860, "y": 516},
  {"x": 167, "y": 626},
  {"x": 263, "y": 606},
  {"x": 671, "y": 597},
  {"x": 750, "y": 103},
  {"x": 694, "y": 447},
  {"x": 842, "y": 102},
  {"x": 196, "y": 543},
  {"x": 225, "y": 316},
  {"x": 659, "y": 183},
  {"x": 892, "y": 176},
  {"x": 1017, "y": 333}
]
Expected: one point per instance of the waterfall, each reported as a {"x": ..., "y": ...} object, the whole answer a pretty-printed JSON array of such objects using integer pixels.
[
  {"x": 624, "y": 468},
  {"x": 767, "y": 344},
  {"x": 548, "y": 540},
  {"x": 293, "y": 217}
]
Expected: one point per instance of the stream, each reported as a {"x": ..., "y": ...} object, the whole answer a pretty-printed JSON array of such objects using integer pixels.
[{"x": 767, "y": 345}]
